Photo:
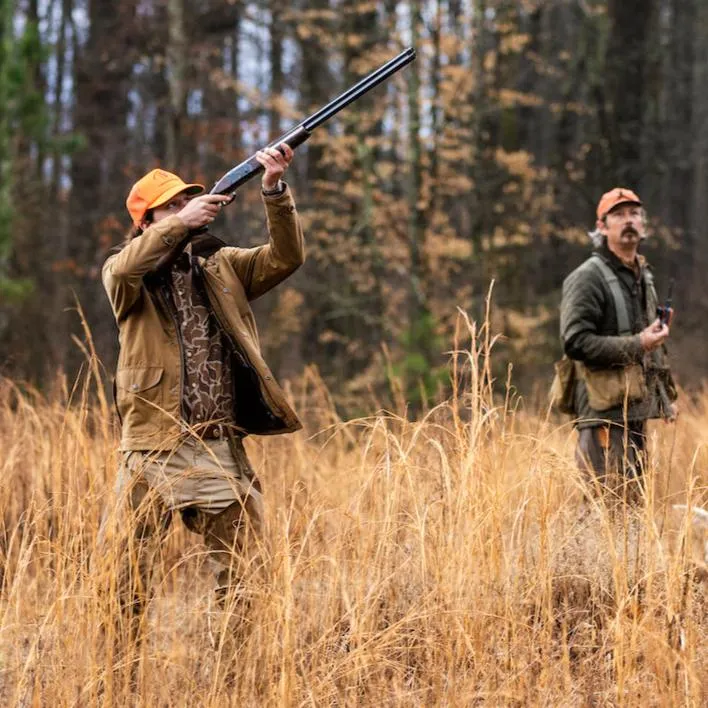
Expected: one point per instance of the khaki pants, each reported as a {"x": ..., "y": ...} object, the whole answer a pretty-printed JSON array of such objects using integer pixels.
[{"x": 212, "y": 485}]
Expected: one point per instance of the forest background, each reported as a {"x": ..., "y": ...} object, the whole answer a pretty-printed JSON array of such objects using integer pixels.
[{"x": 482, "y": 161}]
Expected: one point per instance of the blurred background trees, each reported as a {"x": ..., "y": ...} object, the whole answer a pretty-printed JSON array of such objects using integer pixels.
[{"x": 481, "y": 161}]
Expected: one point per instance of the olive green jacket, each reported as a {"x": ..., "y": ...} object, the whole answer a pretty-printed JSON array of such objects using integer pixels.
[
  {"x": 149, "y": 377},
  {"x": 590, "y": 334}
]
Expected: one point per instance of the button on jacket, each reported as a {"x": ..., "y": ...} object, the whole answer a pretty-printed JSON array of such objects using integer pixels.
[{"x": 149, "y": 376}]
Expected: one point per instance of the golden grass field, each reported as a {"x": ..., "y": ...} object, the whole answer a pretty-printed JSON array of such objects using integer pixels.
[{"x": 447, "y": 561}]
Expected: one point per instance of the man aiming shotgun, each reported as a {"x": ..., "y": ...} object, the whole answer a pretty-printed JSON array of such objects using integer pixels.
[{"x": 191, "y": 382}]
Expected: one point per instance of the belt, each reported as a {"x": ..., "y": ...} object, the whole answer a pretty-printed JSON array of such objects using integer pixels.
[{"x": 217, "y": 431}]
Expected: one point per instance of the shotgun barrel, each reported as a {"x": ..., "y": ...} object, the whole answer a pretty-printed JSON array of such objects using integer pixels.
[{"x": 249, "y": 168}]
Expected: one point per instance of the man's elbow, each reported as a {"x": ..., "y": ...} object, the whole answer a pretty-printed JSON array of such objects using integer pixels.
[
  {"x": 293, "y": 259},
  {"x": 120, "y": 286},
  {"x": 108, "y": 276},
  {"x": 299, "y": 258},
  {"x": 292, "y": 265}
]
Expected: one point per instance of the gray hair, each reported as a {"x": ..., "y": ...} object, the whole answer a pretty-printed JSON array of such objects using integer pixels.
[{"x": 597, "y": 238}]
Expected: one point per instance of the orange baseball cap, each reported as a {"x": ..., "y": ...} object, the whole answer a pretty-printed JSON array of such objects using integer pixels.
[
  {"x": 154, "y": 189},
  {"x": 615, "y": 197}
]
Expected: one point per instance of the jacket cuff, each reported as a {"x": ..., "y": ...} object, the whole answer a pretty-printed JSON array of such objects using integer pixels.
[
  {"x": 276, "y": 191},
  {"x": 635, "y": 351},
  {"x": 279, "y": 205},
  {"x": 282, "y": 197}
]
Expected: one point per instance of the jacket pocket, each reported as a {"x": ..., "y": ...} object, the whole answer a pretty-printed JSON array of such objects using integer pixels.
[
  {"x": 139, "y": 393},
  {"x": 609, "y": 388}
]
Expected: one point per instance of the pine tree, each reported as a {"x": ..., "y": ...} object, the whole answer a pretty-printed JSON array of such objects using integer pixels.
[{"x": 22, "y": 119}]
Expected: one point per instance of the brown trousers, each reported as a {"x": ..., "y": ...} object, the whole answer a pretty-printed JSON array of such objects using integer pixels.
[{"x": 213, "y": 486}]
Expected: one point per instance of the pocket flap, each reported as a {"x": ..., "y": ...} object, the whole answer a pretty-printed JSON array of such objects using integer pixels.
[{"x": 135, "y": 379}]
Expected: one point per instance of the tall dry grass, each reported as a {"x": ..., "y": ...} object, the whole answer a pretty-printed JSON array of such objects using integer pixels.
[{"x": 447, "y": 561}]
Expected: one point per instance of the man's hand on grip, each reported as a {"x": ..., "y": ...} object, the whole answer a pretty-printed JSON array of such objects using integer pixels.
[
  {"x": 202, "y": 210},
  {"x": 275, "y": 161},
  {"x": 654, "y": 335}
]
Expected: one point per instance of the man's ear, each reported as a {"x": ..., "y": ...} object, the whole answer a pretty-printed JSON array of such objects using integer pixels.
[{"x": 601, "y": 226}]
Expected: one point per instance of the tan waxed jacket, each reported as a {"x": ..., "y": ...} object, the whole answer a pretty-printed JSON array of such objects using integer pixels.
[{"x": 149, "y": 376}]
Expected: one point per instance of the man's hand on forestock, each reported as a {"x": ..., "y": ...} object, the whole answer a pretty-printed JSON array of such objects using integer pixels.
[
  {"x": 275, "y": 161},
  {"x": 202, "y": 210},
  {"x": 654, "y": 335}
]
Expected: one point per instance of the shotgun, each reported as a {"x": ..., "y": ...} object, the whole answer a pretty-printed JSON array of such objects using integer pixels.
[{"x": 249, "y": 168}]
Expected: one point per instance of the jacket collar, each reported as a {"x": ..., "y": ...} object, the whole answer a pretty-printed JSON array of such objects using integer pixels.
[
  {"x": 617, "y": 263},
  {"x": 206, "y": 244}
]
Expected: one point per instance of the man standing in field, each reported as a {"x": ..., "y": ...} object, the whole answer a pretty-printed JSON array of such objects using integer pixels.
[
  {"x": 614, "y": 344},
  {"x": 191, "y": 381}
]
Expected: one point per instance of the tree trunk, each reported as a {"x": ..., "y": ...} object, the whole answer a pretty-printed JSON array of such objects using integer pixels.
[
  {"x": 103, "y": 69},
  {"x": 277, "y": 37},
  {"x": 698, "y": 224},
  {"x": 176, "y": 78},
  {"x": 418, "y": 314},
  {"x": 630, "y": 24}
]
